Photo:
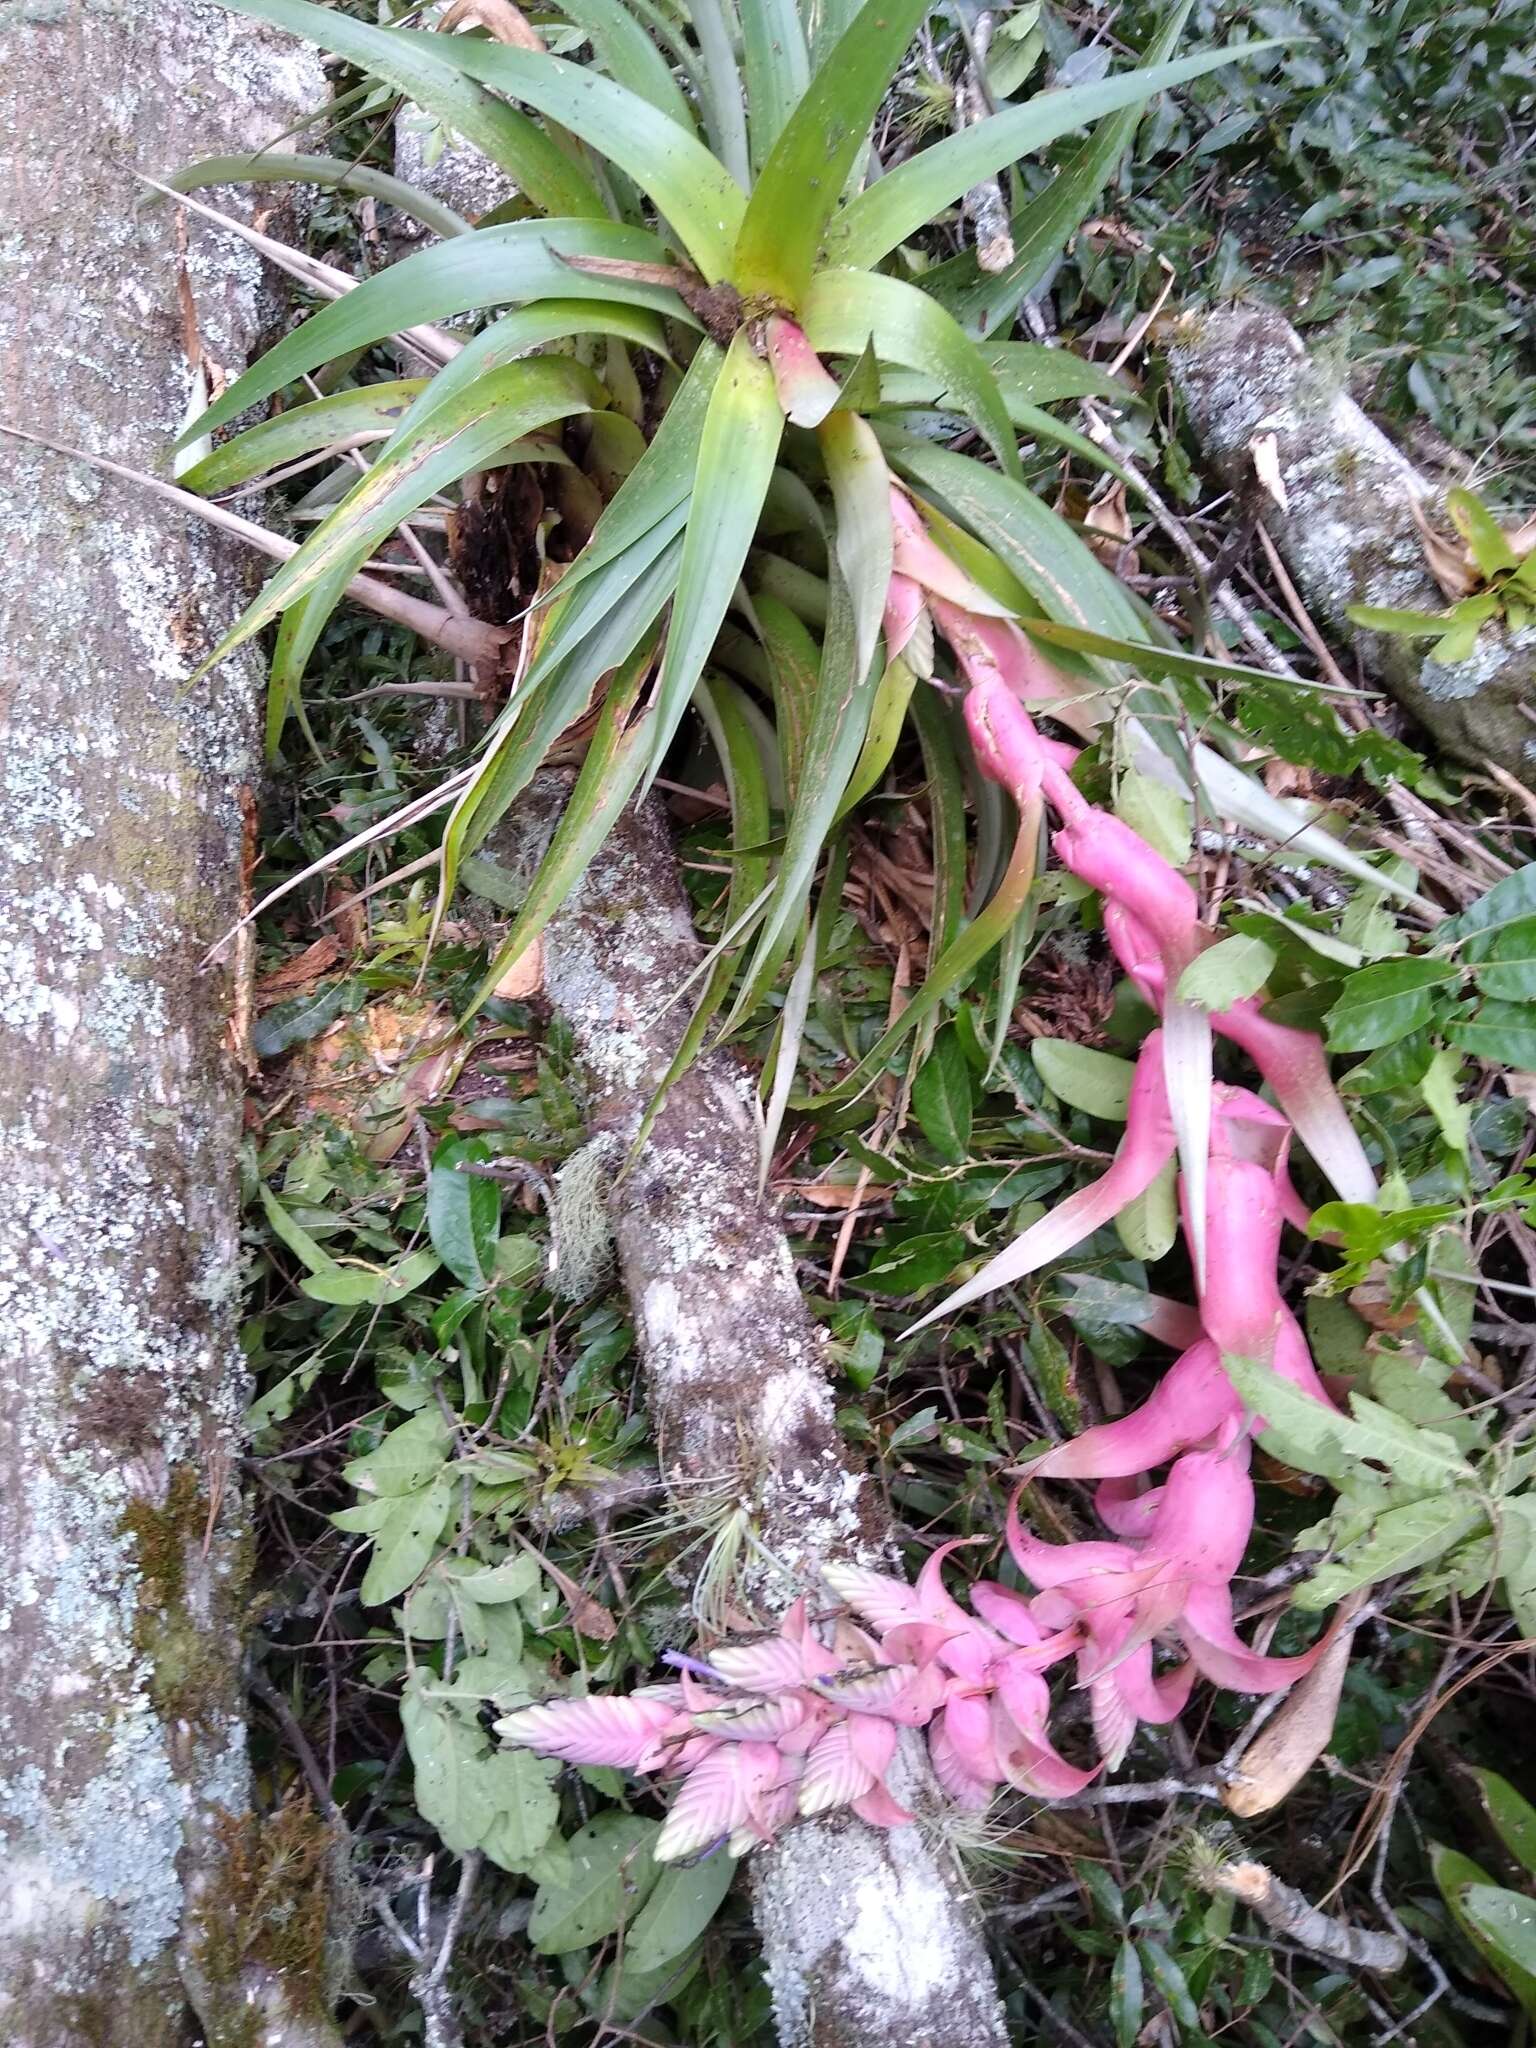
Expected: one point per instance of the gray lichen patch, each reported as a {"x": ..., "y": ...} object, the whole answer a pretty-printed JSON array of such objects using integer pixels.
[
  {"x": 121, "y": 1383},
  {"x": 1348, "y": 529}
]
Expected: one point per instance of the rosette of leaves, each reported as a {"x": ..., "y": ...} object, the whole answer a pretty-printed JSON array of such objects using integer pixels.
[{"x": 701, "y": 173}]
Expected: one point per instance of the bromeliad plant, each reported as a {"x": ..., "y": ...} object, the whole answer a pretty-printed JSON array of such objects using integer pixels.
[{"x": 793, "y": 533}]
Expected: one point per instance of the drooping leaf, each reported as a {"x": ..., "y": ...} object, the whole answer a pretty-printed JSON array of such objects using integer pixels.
[
  {"x": 423, "y": 68},
  {"x": 330, "y": 173},
  {"x": 612, "y": 1874},
  {"x": 345, "y": 419},
  {"x": 690, "y": 188},
  {"x": 908, "y": 197},
  {"x": 493, "y": 267},
  {"x": 684, "y": 1901}
]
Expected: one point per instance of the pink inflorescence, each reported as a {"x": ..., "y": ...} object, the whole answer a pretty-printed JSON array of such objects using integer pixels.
[{"x": 810, "y": 1719}]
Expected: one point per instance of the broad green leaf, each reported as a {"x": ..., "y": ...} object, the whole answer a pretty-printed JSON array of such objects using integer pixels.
[
  {"x": 357, "y": 1286},
  {"x": 778, "y": 70},
  {"x": 1226, "y": 973},
  {"x": 1487, "y": 543},
  {"x": 861, "y": 494},
  {"x": 1037, "y": 375},
  {"x": 497, "y": 1584},
  {"x": 346, "y": 419},
  {"x": 1159, "y": 814},
  {"x": 689, "y": 187},
  {"x": 1504, "y": 963},
  {"x": 329, "y": 172},
  {"x": 737, "y": 451},
  {"x": 612, "y": 1875},
  {"x": 615, "y": 762},
  {"x": 1149, "y": 1225},
  {"x": 1384, "y": 1002},
  {"x": 445, "y": 1749},
  {"x": 941, "y": 1097},
  {"x": 425, "y": 70},
  {"x": 410, "y": 1455},
  {"x": 464, "y": 1211},
  {"x": 1509, "y": 901},
  {"x": 1126, "y": 1998},
  {"x": 1513, "y": 1818},
  {"x": 1400, "y": 1540},
  {"x": 1457, "y": 1875},
  {"x": 492, "y": 267},
  {"x": 1319, "y": 1439},
  {"x": 518, "y": 1806},
  {"x": 462, "y": 436},
  {"x": 1093, "y": 1081},
  {"x": 684, "y": 1901},
  {"x": 1506, "y": 1923},
  {"x": 803, "y": 179},
  {"x": 908, "y": 197},
  {"x": 1168, "y": 1976},
  {"x": 842, "y": 310},
  {"x": 407, "y": 1543},
  {"x": 1503, "y": 1034}
]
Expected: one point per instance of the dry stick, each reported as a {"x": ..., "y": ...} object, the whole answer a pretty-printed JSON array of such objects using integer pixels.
[
  {"x": 1289, "y": 1913},
  {"x": 468, "y": 639},
  {"x": 868, "y": 1936},
  {"x": 984, "y": 205}
]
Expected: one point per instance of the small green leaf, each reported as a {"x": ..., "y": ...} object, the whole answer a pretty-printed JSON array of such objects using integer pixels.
[
  {"x": 1439, "y": 1088},
  {"x": 941, "y": 1097},
  {"x": 1486, "y": 540},
  {"x": 685, "y": 1900},
  {"x": 464, "y": 1211},
  {"x": 1513, "y": 1818},
  {"x": 1503, "y": 1034},
  {"x": 1093, "y": 1081},
  {"x": 1226, "y": 973},
  {"x": 612, "y": 1875},
  {"x": 518, "y": 1806},
  {"x": 1505, "y": 964},
  {"x": 408, "y": 1457},
  {"x": 1148, "y": 1226},
  {"x": 1401, "y": 1539},
  {"x": 1506, "y": 1921},
  {"x": 1126, "y": 1998},
  {"x": 1171, "y": 1983},
  {"x": 406, "y": 1544},
  {"x": 1158, "y": 813},
  {"x": 1384, "y": 1002}
]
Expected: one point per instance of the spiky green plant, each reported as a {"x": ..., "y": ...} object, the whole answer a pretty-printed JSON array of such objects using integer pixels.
[{"x": 705, "y": 175}]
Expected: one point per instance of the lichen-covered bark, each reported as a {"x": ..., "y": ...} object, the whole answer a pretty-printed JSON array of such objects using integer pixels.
[
  {"x": 122, "y": 1747},
  {"x": 868, "y": 1938},
  {"x": 1349, "y": 533}
]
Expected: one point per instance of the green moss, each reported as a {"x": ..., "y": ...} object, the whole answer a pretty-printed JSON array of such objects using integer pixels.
[
  {"x": 270, "y": 1912},
  {"x": 189, "y": 1676}
]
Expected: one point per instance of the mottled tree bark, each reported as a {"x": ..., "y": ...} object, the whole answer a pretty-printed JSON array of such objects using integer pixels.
[
  {"x": 1348, "y": 530},
  {"x": 870, "y": 1940},
  {"x": 126, "y": 1907}
]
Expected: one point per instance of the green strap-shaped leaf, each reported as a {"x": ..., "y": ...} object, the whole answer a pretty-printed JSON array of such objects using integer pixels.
[
  {"x": 778, "y": 70},
  {"x": 793, "y": 660},
  {"x": 663, "y": 477},
  {"x": 547, "y": 704},
  {"x": 331, "y": 172},
  {"x": 517, "y": 333},
  {"x": 861, "y": 493},
  {"x": 371, "y": 412},
  {"x": 714, "y": 24},
  {"x": 887, "y": 720},
  {"x": 420, "y": 67},
  {"x": 844, "y": 309},
  {"x": 628, "y": 55},
  {"x": 909, "y": 196},
  {"x": 465, "y": 435},
  {"x": 803, "y": 179},
  {"x": 492, "y": 267},
  {"x": 699, "y": 198},
  {"x": 737, "y": 450},
  {"x": 616, "y": 757}
]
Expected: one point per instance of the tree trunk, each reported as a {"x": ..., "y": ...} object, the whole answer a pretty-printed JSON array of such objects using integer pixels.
[
  {"x": 130, "y": 1909},
  {"x": 1348, "y": 530},
  {"x": 870, "y": 1940}
]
